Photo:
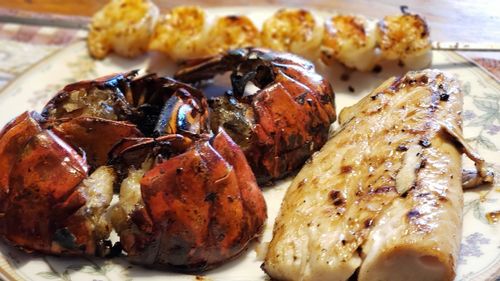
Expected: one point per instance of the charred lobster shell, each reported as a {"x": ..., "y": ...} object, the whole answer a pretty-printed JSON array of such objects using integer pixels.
[
  {"x": 44, "y": 200},
  {"x": 280, "y": 125},
  {"x": 186, "y": 222},
  {"x": 59, "y": 169}
]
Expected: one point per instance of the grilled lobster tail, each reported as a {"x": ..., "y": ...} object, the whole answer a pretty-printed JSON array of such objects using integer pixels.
[
  {"x": 284, "y": 122},
  {"x": 192, "y": 190}
]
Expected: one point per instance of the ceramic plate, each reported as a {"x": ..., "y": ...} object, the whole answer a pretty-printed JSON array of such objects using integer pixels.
[{"x": 480, "y": 252}]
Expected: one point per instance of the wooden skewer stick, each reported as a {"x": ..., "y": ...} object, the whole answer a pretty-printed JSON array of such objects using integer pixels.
[{"x": 458, "y": 46}]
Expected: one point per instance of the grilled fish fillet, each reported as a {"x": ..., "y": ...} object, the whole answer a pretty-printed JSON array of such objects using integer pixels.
[{"x": 383, "y": 198}]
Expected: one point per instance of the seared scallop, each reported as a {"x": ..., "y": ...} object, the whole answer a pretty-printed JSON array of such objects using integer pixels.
[{"x": 123, "y": 27}]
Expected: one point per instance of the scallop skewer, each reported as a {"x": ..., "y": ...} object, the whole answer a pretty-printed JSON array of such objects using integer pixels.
[
  {"x": 122, "y": 26},
  {"x": 179, "y": 32},
  {"x": 405, "y": 38},
  {"x": 293, "y": 30},
  {"x": 230, "y": 32},
  {"x": 351, "y": 41},
  {"x": 129, "y": 27}
]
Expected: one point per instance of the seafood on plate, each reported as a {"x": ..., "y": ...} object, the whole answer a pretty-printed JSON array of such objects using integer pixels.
[
  {"x": 49, "y": 201},
  {"x": 181, "y": 185},
  {"x": 92, "y": 116},
  {"x": 350, "y": 40},
  {"x": 293, "y": 30},
  {"x": 283, "y": 122},
  {"x": 186, "y": 32},
  {"x": 55, "y": 187},
  {"x": 189, "y": 200},
  {"x": 196, "y": 207},
  {"x": 382, "y": 200},
  {"x": 122, "y": 26},
  {"x": 230, "y": 32},
  {"x": 179, "y": 33},
  {"x": 406, "y": 38}
]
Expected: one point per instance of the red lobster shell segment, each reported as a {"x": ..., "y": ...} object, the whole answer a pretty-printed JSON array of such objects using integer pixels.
[
  {"x": 193, "y": 223},
  {"x": 284, "y": 121},
  {"x": 42, "y": 200},
  {"x": 13, "y": 138},
  {"x": 95, "y": 136}
]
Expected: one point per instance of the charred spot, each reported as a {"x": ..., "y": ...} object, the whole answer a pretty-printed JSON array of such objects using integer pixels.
[
  {"x": 345, "y": 169},
  {"x": 397, "y": 83},
  {"x": 327, "y": 54},
  {"x": 210, "y": 197},
  {"x": 359, "y": 250},
  {"x": 422, "y": 164},
  {"x": 221, "y": 237},
  {"x": 421, "y": 23},
  {"x": 140, "y": 217},
  {"x": 425, "y": 142},
  {"x": 383, "y": 189},
  {"x": 374, "y": 97},
  {"x": 301, "y": 183},
  {"x": 444, "y": 97},
  {"x": 351, "y": 89},
  {"x": 336, "y": 197},
  {"x": 422, "y": 195},
  {"x": 65, "y": 238},
  {"x": 303, "y": 13},
  {"x": 343, "y": 241},
  {"x": 301, "y": 98},
  {"x": 412, "y": 214},
  {"x": 334, "y": 194},
  {"x": 412, "y": 188},
  {"x": 233, "y": 18},
  {"x": 325, "y": 99},
  {"x": 401, "y": 148},
  {"x": 443, "y": 199},
  {"x": 405, "y": 194},
  {"x": 368, "y": 223}
]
